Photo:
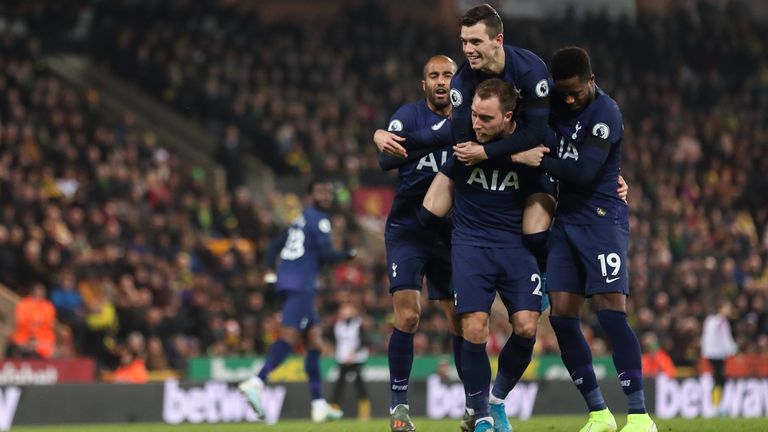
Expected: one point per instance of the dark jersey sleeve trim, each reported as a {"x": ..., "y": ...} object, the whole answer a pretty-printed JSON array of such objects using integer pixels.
[{"x": 583, "y": 171}]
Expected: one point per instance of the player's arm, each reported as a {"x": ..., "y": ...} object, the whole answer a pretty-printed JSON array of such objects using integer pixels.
[
  {"x": 273, "y": 251},
  {"x": 592, "y": 156},
  {"x": 329, "y": 255},
  {"x": 428, "y": 138},
  {"x": 274, "y": 248},
  {"x": 387, "y": 162},
  {"x": 389, "y": 142}
]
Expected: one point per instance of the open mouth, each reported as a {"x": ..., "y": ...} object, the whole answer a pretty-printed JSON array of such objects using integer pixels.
[{"x": 441, "y": 92}]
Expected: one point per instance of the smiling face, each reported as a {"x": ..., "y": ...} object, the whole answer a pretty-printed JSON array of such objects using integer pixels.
[
  {"x": 437, "y": 80},
  {"x": 483, "y": 51}
]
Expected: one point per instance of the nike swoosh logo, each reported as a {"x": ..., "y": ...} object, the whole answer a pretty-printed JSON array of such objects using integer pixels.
[
  {"x": 609, "y": 280},
  {"x": 621, "y": 374},
  {"x": 438, "y": 125},
  {"x": 400, "y": 380},
  {"x": 475, "y": 394}
]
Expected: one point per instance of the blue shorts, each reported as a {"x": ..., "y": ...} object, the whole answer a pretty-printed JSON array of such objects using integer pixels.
[
  {"x": 299, "y": 309},
  {"x": 588, "y": 259},
  {"x": 479, "y": 272},
  {"x": 408, "y": 261}
]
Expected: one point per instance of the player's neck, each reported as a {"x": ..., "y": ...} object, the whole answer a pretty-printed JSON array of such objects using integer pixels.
[
  {"x": 444, "y": 111},
  {"x": 496, "y": 65},
  {"x": 512, "y": 127}
]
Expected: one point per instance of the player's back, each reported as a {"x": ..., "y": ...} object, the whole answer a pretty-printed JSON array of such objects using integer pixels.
[
  {"x": 597, "y": 203},
  {"x": 301, "y": 256},
  {"x": 414, "y": 177}
]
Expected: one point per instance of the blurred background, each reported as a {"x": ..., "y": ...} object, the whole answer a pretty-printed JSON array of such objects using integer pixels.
[{"x": 150, "y": 150}]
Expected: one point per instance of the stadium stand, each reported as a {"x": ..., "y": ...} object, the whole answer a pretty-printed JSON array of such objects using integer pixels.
[{"x": 126, "y": 239}]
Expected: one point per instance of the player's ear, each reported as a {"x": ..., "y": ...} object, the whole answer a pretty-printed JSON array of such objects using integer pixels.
[
  {"x": 424, "y": 86},
  {"x": 499, "y": 39},
  {"x": 508, "y": 116}
]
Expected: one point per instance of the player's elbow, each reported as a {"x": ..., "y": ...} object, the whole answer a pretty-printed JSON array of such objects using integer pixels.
[{"x": 386, "y": 163}]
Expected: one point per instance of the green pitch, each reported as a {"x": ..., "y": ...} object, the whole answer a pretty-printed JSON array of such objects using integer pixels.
[{"x": 536, "y": 424}]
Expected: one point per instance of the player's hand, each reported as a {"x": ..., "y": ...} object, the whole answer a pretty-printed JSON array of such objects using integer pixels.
[
  {"x": 531, "y": 157},
  {"x": 470, "y": 153},
  {"x": 389, "y": 143},
  {"x": 623, "y": 189},
  {"x": 270, "y": 278}
]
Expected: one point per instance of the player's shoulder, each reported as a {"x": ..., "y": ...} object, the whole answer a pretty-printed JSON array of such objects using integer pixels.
[
  {"x": 405, "y": 116},
  {"x": 314, "y": 213},
  {"x": 522, "y": 58},
  {"x": 605, "y": 105},
  {"x": 465, "y": 78},
  {"x": 463, "y": 72},
  {"x": 606, "y": 119},
  {"x": 317, "y": 219},
  {"x": 410, "y": 108}
]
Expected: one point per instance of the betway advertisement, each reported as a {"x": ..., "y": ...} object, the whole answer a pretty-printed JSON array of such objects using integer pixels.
[
  {"x": 447, "y": 399},
  {"x": 213, "y": 402},
  {"x": 216, "y": 402},
  {"x": 692, "y": 397},
  {"x": 39, "y": 372}
]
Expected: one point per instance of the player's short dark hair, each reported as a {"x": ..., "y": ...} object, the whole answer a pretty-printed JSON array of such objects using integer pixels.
[
  {"x": 316, "y": 181},
  {"x": 501, "y": 89},
  {"x": 569, "y": 62},
  {"x": 487, "y": 15}
]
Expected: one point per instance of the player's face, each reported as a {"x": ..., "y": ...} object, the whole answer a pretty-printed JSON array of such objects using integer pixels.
[
  {"x": 478, "y": 47},
  {"x": 575, "y": 92},
  {"x": 322, "y": 195},
  {"x": 437, "y": 82},
  {"x": 488, "y": 121}
]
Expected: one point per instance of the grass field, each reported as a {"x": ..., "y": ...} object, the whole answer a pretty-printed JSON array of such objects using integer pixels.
[{"x": 539, "y": 424}]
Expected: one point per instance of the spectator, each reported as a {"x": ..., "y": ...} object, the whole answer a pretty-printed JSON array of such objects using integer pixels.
[
  {"x": 351, "y": 355},
  {"x": 655, "y": 360},
  {"x": 34, "y": 334},
  {"x": 717, "y": 345}
]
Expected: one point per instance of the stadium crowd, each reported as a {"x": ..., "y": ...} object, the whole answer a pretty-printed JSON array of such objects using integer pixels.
[{"x": 140, "y": 260}]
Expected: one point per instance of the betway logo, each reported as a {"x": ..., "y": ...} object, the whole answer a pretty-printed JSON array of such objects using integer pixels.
[
  {"x": 25, "y": 374},
  {"x": 217, "y": 403},
  {"x": 448, "y": 400},
  {"x": 692, "y": 397},
  {"x": 9, "y": 400}
]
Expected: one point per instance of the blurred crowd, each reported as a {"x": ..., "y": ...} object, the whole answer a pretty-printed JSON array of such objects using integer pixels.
[{"x": 140, "y": 260}]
